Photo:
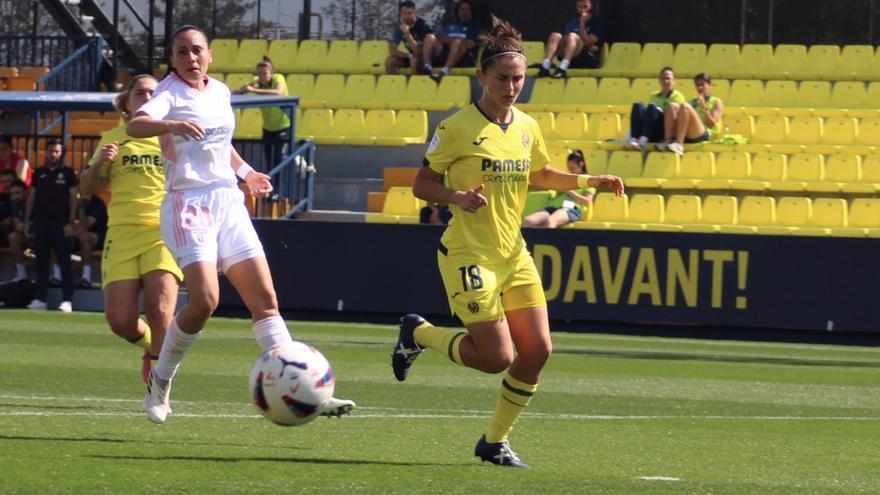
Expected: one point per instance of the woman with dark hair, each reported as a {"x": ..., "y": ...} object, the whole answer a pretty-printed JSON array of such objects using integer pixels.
[
  {"x": 565, "y": 207},
  {"x": 490, "y": 152},
  {"x": 204, "y": 220},
  {"x": 135, "y": 260},
  {"x": 276, "y": 123}
]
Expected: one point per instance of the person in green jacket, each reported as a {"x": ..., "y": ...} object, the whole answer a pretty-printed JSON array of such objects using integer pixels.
[
  {"x": 276, "y": 123},
  {"x": 694, "y": 122},
  {"x": 646, "y": 121}
]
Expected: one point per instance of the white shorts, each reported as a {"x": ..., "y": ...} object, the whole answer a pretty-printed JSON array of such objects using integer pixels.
[{"x": 209, "y": 224}]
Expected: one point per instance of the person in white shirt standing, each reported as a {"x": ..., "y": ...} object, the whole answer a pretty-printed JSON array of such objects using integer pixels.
[{"x": 204, "y": 220}]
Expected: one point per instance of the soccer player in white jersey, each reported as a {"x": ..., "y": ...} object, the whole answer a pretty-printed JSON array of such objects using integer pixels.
[{"x": 204, "y": 221}]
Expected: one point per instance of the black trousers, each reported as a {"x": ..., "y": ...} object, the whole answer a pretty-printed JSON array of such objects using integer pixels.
[{"x": 49, "y": 238}]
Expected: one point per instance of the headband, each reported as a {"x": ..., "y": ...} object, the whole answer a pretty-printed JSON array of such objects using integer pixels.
[{"x": 483, "y": 62}]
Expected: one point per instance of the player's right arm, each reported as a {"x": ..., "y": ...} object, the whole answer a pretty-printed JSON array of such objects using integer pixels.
[{"x": 150, "y": 121}]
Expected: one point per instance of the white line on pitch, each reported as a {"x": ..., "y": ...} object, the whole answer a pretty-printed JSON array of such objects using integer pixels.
[{"x": 658, "y": 478}]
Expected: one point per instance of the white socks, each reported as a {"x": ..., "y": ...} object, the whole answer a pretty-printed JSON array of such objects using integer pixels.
[
  {"x": 176, "y": 343},
  {"x": 564, "y": 64},
  {"x": 546, "y": 64},
  {"x": 270, "y": 332},
  {"x": 87, "y": 273},
  {"x": 643, "y": 140},
  {"x": 20, "y": 271}
]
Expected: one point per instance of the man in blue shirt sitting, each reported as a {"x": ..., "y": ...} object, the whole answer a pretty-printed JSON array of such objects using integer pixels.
[
  {"x": 456, "y": 45},
  {"x": 412, "y": 32},
  {"x": 578, "y": 46}
]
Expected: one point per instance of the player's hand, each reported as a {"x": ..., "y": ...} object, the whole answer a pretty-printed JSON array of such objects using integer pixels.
[
  {"x": 612, "y": 182},
  {"x": 108, "y": 153},
  {"x": 260, "y": 185},
  {"x": 187, "y": 130},
  {"x": 471, "y": 200}
]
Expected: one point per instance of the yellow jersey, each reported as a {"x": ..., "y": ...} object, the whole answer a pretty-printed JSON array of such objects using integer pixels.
[
  {"x": 470, "y": 149},
  {"x": 137, "y": 179}
]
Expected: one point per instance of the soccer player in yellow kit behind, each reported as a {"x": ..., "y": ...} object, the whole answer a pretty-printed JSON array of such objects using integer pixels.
[
  {"x": 490, "y": 152},
  {"x": 135, "y": 259}
]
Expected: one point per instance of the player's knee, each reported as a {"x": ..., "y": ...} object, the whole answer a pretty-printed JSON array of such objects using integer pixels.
[
  {"x": 121, "y": 322},
  {"x": 555, "y": 37},
  {"x": 497, "y": 362},
  {"x": 203, "y": 303},
  {"x": 537, "y": 355}
]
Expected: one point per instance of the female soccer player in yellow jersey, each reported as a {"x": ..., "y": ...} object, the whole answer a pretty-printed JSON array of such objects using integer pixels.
[
  {"x": 490, "y": 153},
  {"x": 135, "y": 259}
]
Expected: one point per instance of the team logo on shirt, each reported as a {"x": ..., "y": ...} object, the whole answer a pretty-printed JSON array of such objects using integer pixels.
[
  {"x": 473, "y": 307},
  {"x": 526, "y": 140},
  {"x": 435, "y": 141}
]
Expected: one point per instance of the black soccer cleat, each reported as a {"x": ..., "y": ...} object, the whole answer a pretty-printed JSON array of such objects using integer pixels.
[
  {"x": 542, "y": 72},
  {"x": 498, "y": 453},
  {"x": 407, "y": 350},
  {"x": 560, "y": 74}
]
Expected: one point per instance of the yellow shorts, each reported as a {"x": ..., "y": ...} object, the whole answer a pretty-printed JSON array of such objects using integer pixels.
[
  {"x": 481, "y": 291},
  {"x": 131, "y": 251}
]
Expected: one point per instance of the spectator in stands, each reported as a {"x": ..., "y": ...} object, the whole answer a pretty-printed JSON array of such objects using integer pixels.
[
  {"x": 12, "y": 206},
  {"x": 51, "y": 205},
  {"x": 90, "y": 235},
  {"x": 694, "y": 122},
  {"x": 10, "y": 160},
  {"x": 276, "y": 123},
  {"x": 456, "y": 45},
  {"x": 412, "y": 31},
  {"x": 578, "y": 46},
  {"x": 7, "y": 177},
  {"x": 566, "y": 206},
  {"x": 646, "y": 121}
]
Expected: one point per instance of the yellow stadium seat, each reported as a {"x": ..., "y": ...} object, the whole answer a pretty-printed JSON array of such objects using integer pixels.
[
  {"x": 283, "y": 55},
  {"x": 603, "y": 126},
  {"x": 769, "y": 129},
  {"x": 828, "y": 213},
  {"x": 695, "y": 166},
  {"x": 654, "y": 57},
  {"x": 745, "y": 93},
  {"x": 722, "y": 59},
  {"x": 777, "y": 94},
  {"x": 342, "y": 57},
  {"x": 236, "y": 81},
  {"x": 767, "y": 168},
  {"x": 348, "y": 123},
  {"x": 743, "y": 125},
  {"x": 546, "y": 92},
  {"x": 411, "y": 125},
  {"x": 730, "y": 168},
  {"x": 625, "y": 164},
  {"x": 605, "y": 210},
  {"x": 869, "y": 132},
  {"x": 641, "y": 88},
  {"x": 421, "y": 93},
  {"x": 871, "y": 171},
  {"x": 716, "y": 211},
  {"x": 840, "y": 131},
  {"x": 805, "y": 170},
  {"x": 250, "y": 53},
  {"x": 689, "y": 59},
  {"x": 805, "y": 130},
  {"x": 611, "y": 96},
  {"x": 792, "y": 213},
  {"x": 571, "y": 127},
  {"x": 249, "y": 125},
  {"x": 311, "y": 56},
  {"x": 371, "y": 57},
  {"x": 788, "y": 61},
  {"x": 843, "y": 173},
  {"x": 398, "y": 177},
  {"x": 400, "y": 207},
  {"x": 597, "y": 161},
  {"x": 849, "y": 95},
  {"x": 301, "y": 85},
  {"x": 547, "y": 121},
  {"x": 854, "y": 62},
  {"x": 223, "y": 53},
  {"x": 379, "y": 126},
  {"x": 864, "y": 219},
  {"x": 558, "y": 158},
  {"x": 359, "y": 89},
  {"x": 622, "y": 60},
  {"x": 813, "y": 97},
  {"x": 822, "y": 63},
  {"x": 755, "y": 62},
  {"x": 317, "y": 124},
  {"x": 454, "y": 91},
  {"x": 328, "y": 89},
  {"x": 389, "y": 88},
  {"x": 754, "y": 212},
  {"x": 646, "y": 211},
  {"x": 534, "y": 52},
  {"x": 659, "y": 167},
  {"x": 579, "y": 91},
  {"x": 684, "y": 209}
]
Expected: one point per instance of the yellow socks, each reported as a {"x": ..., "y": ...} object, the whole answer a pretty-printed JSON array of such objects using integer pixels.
[
  {"x": 146, "y": 340},
  {"x": 515, "y": 396},
  {"x": 441, "y": 340}
]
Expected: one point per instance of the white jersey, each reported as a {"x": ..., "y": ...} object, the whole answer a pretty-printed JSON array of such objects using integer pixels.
[{"x": 194, "y": 164}]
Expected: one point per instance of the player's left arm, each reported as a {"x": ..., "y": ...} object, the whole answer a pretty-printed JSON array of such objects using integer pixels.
[
  {"x": 550, "y": 178},
  {"x": 259, "y": 184}
]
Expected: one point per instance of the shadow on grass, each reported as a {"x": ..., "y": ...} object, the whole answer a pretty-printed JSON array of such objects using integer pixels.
[
  {"x": 716, "y": 358},
  {"x": 49, "y": 406},
  {"x": 294, "y": 460},
  {"x": 64, "y": 439}
]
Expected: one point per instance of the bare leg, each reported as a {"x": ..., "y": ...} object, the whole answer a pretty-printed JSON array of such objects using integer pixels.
[
  {"x": 552, "y": 45},
  {"x": 558, "y": 218},
  {"x": 121, "y": 310},
  {"x": 573, "y": 46},
  {"x": 160, "y": 300},
  {"x": 204, "y": 296},
  {"x": 695, "y": 126},
  {"x": 530, "y": 333},
  {"x": 539, "y": 218},
  {"x": 681, "y": 126},
  {"x": 253, "y": 281}
]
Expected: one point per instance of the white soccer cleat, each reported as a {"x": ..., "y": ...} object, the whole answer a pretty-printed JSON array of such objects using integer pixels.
[
  {"x": 157, "y": 400},
  {"x": 334, "y": 407},
  {"x": 37, "y": 305},
  {"x": 676, "y": 148},
  {"x": 65, "y": 307}
]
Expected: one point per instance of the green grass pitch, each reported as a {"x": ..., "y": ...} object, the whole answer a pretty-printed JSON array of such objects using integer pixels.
[{"x": 613, "y": 415}]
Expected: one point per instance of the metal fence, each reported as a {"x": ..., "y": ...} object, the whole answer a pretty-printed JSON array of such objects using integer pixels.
[
  {"x": 37, "y": 51},
  {"x": 78, "y": 72}
]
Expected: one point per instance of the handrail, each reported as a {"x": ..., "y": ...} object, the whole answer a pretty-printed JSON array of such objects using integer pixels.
[{"x": 78, "y": 72}]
